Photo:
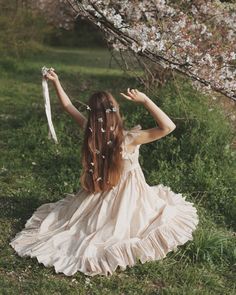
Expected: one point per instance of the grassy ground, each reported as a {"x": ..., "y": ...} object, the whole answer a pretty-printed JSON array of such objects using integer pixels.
[{"x": 196, "y": 159}]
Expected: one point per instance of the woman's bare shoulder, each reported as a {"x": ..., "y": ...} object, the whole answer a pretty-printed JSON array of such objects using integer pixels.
[{"x": 141, "y": 136}]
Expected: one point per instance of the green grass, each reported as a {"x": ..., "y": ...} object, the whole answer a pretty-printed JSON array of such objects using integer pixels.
[{"x": 196, "y": 160}]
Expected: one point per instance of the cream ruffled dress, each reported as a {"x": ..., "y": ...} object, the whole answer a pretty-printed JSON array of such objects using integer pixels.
[{"x": 96, "y": 233}]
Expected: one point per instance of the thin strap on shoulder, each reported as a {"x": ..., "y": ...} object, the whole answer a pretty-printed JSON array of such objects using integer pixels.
[{"x": 132, "y": 133}]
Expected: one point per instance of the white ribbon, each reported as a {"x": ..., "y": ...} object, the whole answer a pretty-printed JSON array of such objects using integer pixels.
[{"x": 52, "y": 133}]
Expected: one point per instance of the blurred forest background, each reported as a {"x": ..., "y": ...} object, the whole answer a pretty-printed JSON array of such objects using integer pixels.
[{"x": 198, "y": 159}]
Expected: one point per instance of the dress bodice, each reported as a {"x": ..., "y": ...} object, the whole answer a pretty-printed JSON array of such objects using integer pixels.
[{"x": 130, "y": 157}]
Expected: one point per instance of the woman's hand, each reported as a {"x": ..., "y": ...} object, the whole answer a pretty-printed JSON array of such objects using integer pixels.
[
  {"x": 51, "y": 75},
  {"x": 135, "y": 95}
]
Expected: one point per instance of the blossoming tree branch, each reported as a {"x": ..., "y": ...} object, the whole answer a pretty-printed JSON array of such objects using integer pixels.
[{"x": 196, "y": 38}]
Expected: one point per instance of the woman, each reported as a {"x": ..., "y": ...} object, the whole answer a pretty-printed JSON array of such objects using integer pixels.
[{"x": 115, "y": 218}]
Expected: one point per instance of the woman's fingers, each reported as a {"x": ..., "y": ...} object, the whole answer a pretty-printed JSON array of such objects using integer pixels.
[
  {"x": 133, "y": 92},
  {"x": 51, "y": 71},
  {"x": 49, "y": 76},
  {"x": 129, "y": 92},
  {"x": 126, "y": 96}
]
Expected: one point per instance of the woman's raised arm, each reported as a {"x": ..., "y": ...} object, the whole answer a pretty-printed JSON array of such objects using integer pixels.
[
  {"x": 64, "y": 99},
  {"x": 165, "y": 124}
]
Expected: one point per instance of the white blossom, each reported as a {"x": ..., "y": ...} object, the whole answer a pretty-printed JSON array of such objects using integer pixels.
[{"x": 203, "y": 35}]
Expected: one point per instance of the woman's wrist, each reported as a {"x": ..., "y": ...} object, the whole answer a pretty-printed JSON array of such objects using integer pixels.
[
  {"x": 56, "y": 82},
  {"x": 145, "y": 101}
]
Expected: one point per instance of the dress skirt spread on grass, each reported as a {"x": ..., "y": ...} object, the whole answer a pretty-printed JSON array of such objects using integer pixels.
[{"x": 96, "y": 233}]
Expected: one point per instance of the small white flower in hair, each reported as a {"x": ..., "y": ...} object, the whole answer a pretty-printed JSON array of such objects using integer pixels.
[
  {"x": 97, "y": 151},
  {"x": 100, "y": 119},
  {"x": 88, "y": 107},
  {"x": 92, "y": 163},
  {"x": 91, "y": 170},
  {"x": 90, "y": 129},
  {"x": 99, "y": 178},
  {"x": 113, "y": 109},
  {"x": 103, "y": 157},
  {"x": 109, "y": 142},
  {"x": 103, "y": 130},
  {"x": 108, "y": 110},
  {"x": 112, "y": 128}
]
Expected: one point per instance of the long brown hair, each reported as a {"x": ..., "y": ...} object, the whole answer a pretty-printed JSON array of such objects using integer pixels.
[{"x": 101, "y": 149}]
